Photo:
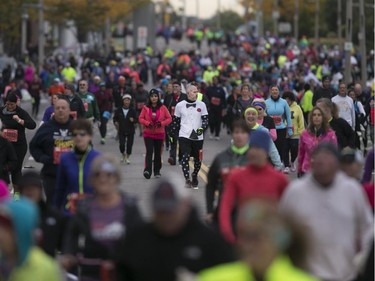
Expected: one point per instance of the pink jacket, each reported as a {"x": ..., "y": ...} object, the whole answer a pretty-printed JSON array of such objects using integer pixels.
[
  {"x": 307, "y": 143},
  {"x": 162, "y": 116}
]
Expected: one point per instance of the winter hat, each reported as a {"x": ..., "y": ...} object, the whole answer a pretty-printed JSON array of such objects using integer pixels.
[
  {"x": 260, "y": 139},
  {"x": 102, "y": 84},
  {"x": 4, "y": 191},
  {"x": 259, "y": 102},
  {"x": 154, "y": 92},
  {"x": 126, "y": 96}
]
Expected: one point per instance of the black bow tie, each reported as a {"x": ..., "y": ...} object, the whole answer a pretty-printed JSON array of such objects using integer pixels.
[{"x": 193, "y": 105}]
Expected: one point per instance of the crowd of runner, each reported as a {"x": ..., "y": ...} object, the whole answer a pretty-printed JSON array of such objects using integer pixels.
[{"x": 288, "y": 112}]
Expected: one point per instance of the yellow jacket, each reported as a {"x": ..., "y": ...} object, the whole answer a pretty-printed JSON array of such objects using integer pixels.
[{"x": 298, "y": 122}]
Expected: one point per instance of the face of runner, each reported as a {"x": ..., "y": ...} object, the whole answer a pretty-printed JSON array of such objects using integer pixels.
[
  {"x": 54, "y": 99},
  {"x": 260, "y": 112},
  {"x": 342, "y": 90},
  {"x": 317, "y": 118},
  {"x": 82, "y": 87},
  {"x": 240, "y": 137},
  {"x": 81, "y": 139},
  {"x": 245, "y": 91},
  {"x": 192, "y": 94},
  {"x": 169, "y": 88},
  {"x": 11, "y": 106},
  {"x": 176, "y": 89},
  {"x": 104, "y": 182},
  {"x": 251, "y": 118},
  {"x": 326, "y": 83},
  {"x": 154, "y": 99},
  {"x": 171, "y": 222},
  {"x": 257, "y": 157},
  {"x": 275, "y": 92},
  {"x": 126, "y": 103},
  {"x": 62, "y": 111},
  {"x": 352, "y": 95},
  {"x": 324, "y": 166}
]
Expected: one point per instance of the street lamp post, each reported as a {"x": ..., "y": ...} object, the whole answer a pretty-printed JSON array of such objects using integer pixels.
[
  {"x": 41, "y": 35},
  {"x": 339, "y": 22},
  {"x": 317, "y": 13},
  {"x": 348, "y": 40},
  {"x": 362, "y": 41},
  {"x": 296, "y": 18},
  {"x": 24, "y": 18}
]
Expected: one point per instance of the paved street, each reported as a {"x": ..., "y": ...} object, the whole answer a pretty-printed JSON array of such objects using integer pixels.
[{"x": 133, "y": 180}]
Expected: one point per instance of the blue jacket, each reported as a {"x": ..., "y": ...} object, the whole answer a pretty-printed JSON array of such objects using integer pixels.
[
  {"x": 280, "y": 112},
  {"x": 73, "y": 176}
]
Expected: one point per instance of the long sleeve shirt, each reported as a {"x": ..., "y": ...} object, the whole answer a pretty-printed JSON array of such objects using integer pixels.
[
  {"x": 346, "y": 109},
  {"x": 280, "y": 112}
]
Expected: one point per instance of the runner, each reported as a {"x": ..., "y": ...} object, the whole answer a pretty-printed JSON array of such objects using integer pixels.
[
  {"x": 257, "y": 180},
  {"x": 48, "y": 113},
  {"x": 49, "y": 142},
  {"x": 89, "y": 102},
  {"x": 77, "y": 109},
  {"x": 8, "y": 158},
  {"x": 279, "y": 110},
  {"x": 124, "y": 121},
  {"x": 292, "y": 142},
  {"x": 224, "y": 162},
  {"x": 190, "y": 120},
  {"x": 170, "y": 102},
  {"x": 318, "y": 131},
  {"x": 243, "y": 101},
  {"x": 101, "y": 221},
  {"x": 73, "y": 171},
  {"x": 14, "y": 121},
  {"x": 323, "y": 92},
  {"x": 104, "y": 99},
  {"x": 216, "y": 96},
  {"x": 345, "y": 105},
  {"x": 154, "y": 117},
  {"x": 263, "y": 118}
]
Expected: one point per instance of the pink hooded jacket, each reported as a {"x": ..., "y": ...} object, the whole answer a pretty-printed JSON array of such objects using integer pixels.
[{"x": 307, "y": 143}]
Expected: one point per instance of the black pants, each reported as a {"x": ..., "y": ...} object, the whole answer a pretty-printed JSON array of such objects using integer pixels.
[
  {"x": 35, "y": 107},
  {"x": 127, "y": 140},
  {"x": 153, "y": 148},
  {"x": 191, "y": 148},
  {"x": 167, "y": 142},
  {"x": 21, "y": 150},
  {"x": 173, "y": 147},
  {"x": 103, "y": 126},
  {"x": 291, "y": 145},
  {"x": 214, "y": 121},
  {"x": 49, "y": 186},
  {"x": 281, "y": 142}
]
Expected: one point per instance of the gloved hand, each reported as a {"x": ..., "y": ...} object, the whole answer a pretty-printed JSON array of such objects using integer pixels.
[
  {"x": 199, "y": 131},
  {"x": 290, "y": 132},
  {"x": 171, "y": 139},
  {"x": 158, "y": 124},
  {"x": 150, "y": 126}
]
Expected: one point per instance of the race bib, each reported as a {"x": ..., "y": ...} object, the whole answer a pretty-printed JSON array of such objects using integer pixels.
[
  {"x": 86, "y": 105},
  {"x": 11, "y": 135},
  {"x": 215, "y": 101},
  {"x": 140, "y": 105},
  {"x": 57, "y": 152},
  {"x": 73, "y": 200},
  {"x": 73, "y": 114},
  {"x": 277, "y": 119}
]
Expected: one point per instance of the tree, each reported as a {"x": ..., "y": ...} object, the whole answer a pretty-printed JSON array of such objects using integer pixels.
[{"x": 230, "y": 20}]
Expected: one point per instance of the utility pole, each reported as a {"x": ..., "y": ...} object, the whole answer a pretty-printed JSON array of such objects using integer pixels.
[
  {"x": 197, "y": 9},
  {"x": 296, "y": 18},
  {"x": 317, "y": 13},
  {"x": 348, "y": 41},
  {"x": 275, "y": 16},
  {"x": 184, "y": 21},
  {"x": 362, "y": 42},
  {"x": 41, "y": 36},
  {"x": 24, "y": 18},
  {"x": 218, "y": 15},
  {"x": 107, "y": 35},
  {"x": 339, "y": 22},
  {"x": 259, "y": 18}
]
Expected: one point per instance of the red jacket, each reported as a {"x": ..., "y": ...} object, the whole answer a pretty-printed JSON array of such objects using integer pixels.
[
  {"x": 244, "y": 184},
  {"x": 162, "y": 116}
]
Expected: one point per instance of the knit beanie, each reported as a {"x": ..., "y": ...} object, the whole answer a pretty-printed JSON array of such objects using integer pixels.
[{"x": 260, "y": 139}]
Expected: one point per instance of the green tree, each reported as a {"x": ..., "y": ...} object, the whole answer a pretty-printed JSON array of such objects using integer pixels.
[{"x": 230, "y": 20}]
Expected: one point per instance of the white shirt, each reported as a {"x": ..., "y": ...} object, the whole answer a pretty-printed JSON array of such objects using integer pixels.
[
  {"x": 191, "y": 118},
  {"x": 346, "y": 109},
  {"x": 335, "y": 219},
  {"x": 125, "y": 111}
]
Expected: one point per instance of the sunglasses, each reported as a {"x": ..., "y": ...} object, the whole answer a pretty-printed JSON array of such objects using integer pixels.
[
  {"x": 81, "y": 134},
  {"x": 259, "y": 109}
]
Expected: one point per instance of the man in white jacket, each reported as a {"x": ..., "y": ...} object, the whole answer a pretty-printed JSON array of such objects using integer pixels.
[
  {"x": 345, "y": 105},
  {"x": 335, "y": 213}
]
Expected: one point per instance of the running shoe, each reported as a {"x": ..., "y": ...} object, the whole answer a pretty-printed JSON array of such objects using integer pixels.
[
  {"x": 286, "y": 170},
  {"x": 293, "y": 168},
  {"x": 188, "y": 184},
  {"x": 194, "y": 181},
  {"x": 217, "y": 138},
  {"x": 157, "y": 175},
  {"x": 171, "y": 161},
  {"x": 147, "y": 174},
  {"x": 102, "y": 141},
  {"x": 127, "y": 161},
  {"x": 123, "y": 158}
]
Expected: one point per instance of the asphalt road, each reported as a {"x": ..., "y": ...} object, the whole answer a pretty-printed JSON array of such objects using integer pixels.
[{"x": 132, "y": 174}]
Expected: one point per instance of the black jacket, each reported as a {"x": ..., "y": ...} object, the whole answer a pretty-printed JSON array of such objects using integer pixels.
[
  {"x": 344, "y": 133},
  {"x": 52, "y": 226},
  {"x": 170, "y": 102},
  {"x": 322, "y": 93},
  {"x": 145, "y": 254},
  {"x": 219, "y": 170},
  {"x": 50, "y": 135},
  {"x": 216, "y": 96},
  {"x": 126, "y": 127},
  {"x": 76, "y": 105},
  {"x": 9, "y": 123},
  {"x": 79, "y": 230},
  {"x": 117, "y": 94},
  {"x": 8, "y": 159}
]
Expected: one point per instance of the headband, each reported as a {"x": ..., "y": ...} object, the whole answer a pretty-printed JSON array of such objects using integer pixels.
[
  {"x": 250, "y": 109},
  {"x": 258, "y": 103}
]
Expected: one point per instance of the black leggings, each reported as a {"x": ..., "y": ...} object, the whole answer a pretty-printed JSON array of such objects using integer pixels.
[
  {"x": 153, "y": 148},
  {"x": 291, "y": 145},
  {"x": 281, "y": 142},
  {"x": 103, "y": 126},
  {"x": 128, "y": 140},
  {"x": 21, "y": 150},
  {"x": 35, "y": 107},
  {"x": 214, "y": 121},
  {"x": 191, "y": 148}
]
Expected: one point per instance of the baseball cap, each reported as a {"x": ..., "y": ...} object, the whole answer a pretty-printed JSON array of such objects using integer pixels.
[
  {"x": 167, "y": 195},
  {"x": 126, "y": 96},
  {"x": 154, "y": 92}
]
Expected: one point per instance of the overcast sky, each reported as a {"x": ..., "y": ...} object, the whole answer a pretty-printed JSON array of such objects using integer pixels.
[{"x": 207, "y": 8}]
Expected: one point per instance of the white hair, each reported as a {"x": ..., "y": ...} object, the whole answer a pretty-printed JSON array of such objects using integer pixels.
[{"x": 189, "y": 87}]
